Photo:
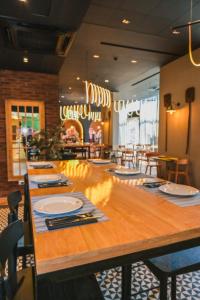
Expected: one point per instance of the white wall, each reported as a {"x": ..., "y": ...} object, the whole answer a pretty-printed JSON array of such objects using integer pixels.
[{"x": 175, "y": 78}]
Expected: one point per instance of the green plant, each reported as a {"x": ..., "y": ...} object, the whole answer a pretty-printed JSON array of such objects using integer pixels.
[{"x": 49, "y": 142}]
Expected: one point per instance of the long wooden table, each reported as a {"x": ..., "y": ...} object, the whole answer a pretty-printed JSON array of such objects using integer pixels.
[{"x": 140, "y": 225}]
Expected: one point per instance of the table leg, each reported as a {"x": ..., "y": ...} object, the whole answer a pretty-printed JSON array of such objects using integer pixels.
[
  {"x": 126, "y": 282},
  {"x": 89, "y": 152}
]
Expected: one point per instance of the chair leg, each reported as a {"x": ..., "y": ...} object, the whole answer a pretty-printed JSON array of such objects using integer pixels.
[
  {"x": 147, "y": 166},
  {"x": 176, "y": 178},
  {"x": 173, "y": 287},
  {"x": 163, "y": 288}
]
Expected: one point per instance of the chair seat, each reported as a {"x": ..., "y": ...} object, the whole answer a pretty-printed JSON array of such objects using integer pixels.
[
  {"x": 26, "y": 288},
  {"x": 177, "y": 262}
]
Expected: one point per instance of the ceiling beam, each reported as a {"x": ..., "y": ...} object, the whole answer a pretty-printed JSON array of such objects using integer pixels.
[
  {"x": 140, "y": 81},
  {"x": 140, "y": 49}
]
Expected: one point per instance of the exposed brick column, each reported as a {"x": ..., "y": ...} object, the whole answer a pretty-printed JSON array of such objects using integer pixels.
[{"x": 25, "y": 86}]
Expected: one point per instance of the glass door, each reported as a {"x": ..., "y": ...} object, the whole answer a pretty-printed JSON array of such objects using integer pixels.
[{"x": 24, "y": 119}]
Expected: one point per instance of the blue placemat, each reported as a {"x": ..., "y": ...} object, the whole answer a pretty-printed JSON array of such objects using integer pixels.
[
  {"x": 177, "y": 200},
  {"x": 34, "y": 185},
  {"x": 39, "y": 219}
]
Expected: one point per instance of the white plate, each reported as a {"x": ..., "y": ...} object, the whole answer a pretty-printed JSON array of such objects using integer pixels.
[
  {"x": 127, "y": 171},
  {"x": 100, "y": 161},
  {"x": 152, "y": 180},
  {"x": 178, "y": 189},
  {"x": 46, "y": 178},
  {"x": 40, "y": 163},
  {"x": 58, "y": 205}
]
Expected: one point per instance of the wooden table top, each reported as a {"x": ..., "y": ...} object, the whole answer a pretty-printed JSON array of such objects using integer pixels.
[{"x": 138, "y": 220}]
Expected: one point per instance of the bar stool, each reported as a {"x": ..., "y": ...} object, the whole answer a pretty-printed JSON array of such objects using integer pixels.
[
  {"x": 181, "y": 169},
  {"x": 171, "y": 265}
]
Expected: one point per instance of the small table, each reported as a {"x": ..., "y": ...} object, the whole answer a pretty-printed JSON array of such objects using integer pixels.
[{"x": 162, "y": 172}]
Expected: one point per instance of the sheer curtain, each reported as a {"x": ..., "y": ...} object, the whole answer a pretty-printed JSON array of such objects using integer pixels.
[{"x": 142, "y": 129}]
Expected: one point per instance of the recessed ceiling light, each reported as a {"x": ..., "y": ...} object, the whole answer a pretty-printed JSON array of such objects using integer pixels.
[
  {"x": 77, "y": 78},
  {"x": 126, "y": 21},
  {"x": 62, "y": 96},
  {"x": 25, "y": 59},
  {"x": 106, "y": 80},
  {"x": 22, "y": 0},
  {"x": 176, "y": 32},
  {"x": 133, "y": 61},
  {"x": 96, "y": 55},
  {"x": 69, "y": 87}
]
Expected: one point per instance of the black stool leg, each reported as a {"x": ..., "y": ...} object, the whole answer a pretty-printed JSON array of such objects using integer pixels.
[
  {"x": 163, "y": 288},
  {"x": 126, "y": 282},
  {"x": 173, "y": 288}
]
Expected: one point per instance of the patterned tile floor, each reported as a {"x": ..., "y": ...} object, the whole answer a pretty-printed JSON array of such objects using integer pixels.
[{"x": 145, "y": 286}]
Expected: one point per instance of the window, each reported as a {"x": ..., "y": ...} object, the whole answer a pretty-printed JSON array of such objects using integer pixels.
[
  {"x": 138, "y": 123},
  {"x": 23, "y": 119}
]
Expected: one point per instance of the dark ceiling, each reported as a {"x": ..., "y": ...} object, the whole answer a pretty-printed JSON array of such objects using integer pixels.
[
  {"x": 44, "y": 30},
  {"x": 40, "y": 29},
  {"x": 150, "y": 29}
]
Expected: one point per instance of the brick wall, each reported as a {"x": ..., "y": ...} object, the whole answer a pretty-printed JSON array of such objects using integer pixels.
[{"x": 25, "y": 86}]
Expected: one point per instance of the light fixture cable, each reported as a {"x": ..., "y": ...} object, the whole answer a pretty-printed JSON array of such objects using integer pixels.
[{"x": 190, "y": 38}]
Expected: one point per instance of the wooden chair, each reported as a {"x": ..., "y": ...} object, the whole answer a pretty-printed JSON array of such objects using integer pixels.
[
  {"x": 150, "y": 164},
  {"x": 25, "y": 245},
  {"x": 181, "y": 169},
  {"x": 21, "y": 285},
  {"x": 171, "y": 265},
  {"x": 128, "y": 157}
]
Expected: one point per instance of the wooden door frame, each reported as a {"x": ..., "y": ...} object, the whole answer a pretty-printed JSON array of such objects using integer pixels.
[{"x": 8, "y": 114}]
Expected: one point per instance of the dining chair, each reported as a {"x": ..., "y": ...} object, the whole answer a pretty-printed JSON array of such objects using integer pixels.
[
  {"x": 14, "y": 285},
  {"x": 171, "y": 265},
  {"x": 26, "y": 199},
  {"x": 128, "y": 157},
  {"x": 181, "y": 170},
  {"x": 25, "y": 245},
  {"x": 22, "y": 285},
  {"x": 150, "y": 163}
]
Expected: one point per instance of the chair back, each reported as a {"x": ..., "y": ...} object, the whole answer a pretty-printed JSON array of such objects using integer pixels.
[
  {"x": 13, "y": 199},
  {"x": 182, "y": 163},
  {"x": 26, "y": 198},
  {"x": 8, "y": 241},
  {"x": 152, "y": 154}
]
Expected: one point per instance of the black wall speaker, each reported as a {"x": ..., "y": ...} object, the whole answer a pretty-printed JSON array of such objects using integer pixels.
[
  {"x": 190, "y": 94},
  {"x": 167, "y": 100}
]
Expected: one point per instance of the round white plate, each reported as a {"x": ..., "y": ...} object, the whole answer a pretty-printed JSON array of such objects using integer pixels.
[
  {"x": 40, "y": 163},
  {"x": 178, "y": 189},
  {"x": 127, "y": 171},
  {"x": 46, "y": 178},
  {"x": 58, "y": 205},
  {"x": 152, "y": 180},
  {"x": 100, "y": 161}
]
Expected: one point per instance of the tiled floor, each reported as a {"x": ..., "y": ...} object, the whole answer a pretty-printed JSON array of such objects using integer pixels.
[{"x": 144, "y": 285}]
